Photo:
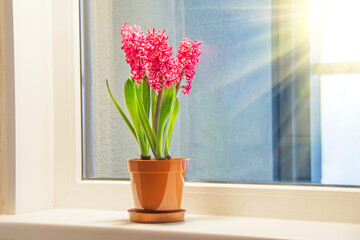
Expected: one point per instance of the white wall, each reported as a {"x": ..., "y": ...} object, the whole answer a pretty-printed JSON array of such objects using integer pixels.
[{"x": 33, "y": 104}]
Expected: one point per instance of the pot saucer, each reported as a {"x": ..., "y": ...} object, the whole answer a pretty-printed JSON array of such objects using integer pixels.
[{"x": 146, "y": 216}]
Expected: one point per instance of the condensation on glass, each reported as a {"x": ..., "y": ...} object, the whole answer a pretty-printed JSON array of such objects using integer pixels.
[{"x": 256, "y": 112}]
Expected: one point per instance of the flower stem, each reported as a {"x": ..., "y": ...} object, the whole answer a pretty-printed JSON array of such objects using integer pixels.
[
  {"x": 157, "y": 110},
  {"x": 179, "y": 82},
  {"x": 178, "y": 87}
]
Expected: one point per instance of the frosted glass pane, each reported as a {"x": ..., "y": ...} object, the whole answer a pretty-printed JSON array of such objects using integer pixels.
[
  {"x": 340, "y": 127},
  {"x": 224, "y": 126}
]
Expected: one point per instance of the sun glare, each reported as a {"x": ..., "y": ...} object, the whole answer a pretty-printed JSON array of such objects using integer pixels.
[{"x": 340, "y": 30}]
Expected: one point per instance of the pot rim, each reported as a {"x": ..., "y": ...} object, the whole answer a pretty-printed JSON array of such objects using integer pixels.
[
  {"x": 155, "y": 160},
  {"x": 137, "y": 165}
]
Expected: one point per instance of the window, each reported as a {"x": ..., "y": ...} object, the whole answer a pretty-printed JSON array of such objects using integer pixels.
[
  {"x": 48, "y": 144},
  {"x": 260, "y": 110}
]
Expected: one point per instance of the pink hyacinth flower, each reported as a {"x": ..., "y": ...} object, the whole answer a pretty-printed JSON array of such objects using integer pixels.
[
  {"x": 150, "y": 57},
  {"x": 158, "y": 59},
  {"x": 188, "y": 57},
  {"x": 133, "y": 41}
]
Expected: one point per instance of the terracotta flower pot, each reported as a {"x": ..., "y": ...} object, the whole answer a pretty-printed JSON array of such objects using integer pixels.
[{"x": 157, "y": 187}]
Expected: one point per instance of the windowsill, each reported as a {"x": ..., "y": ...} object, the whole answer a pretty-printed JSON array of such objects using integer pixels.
[{"x": 98, "y": 224}]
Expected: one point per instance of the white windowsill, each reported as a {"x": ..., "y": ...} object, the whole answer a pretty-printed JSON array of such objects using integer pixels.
[{"x": 98, "y": 224}]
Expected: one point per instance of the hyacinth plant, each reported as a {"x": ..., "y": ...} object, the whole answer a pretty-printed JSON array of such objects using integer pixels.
[{"x": 151, "y": 94}]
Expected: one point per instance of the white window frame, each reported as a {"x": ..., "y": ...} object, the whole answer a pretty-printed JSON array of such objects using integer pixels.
[
  {"x": 316, "y": 203},
  {"x": 336, "y": 68}
]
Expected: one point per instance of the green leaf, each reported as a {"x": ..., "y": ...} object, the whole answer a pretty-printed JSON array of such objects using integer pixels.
[
  {"x": 144, "y": 120},
  {"x": 166, "y": 107},
  {"x": 121, "y": 112},
  {"x": 165, "y": 137},
  {"x": 153, "y": 104},
  {"x": 130, "y": 90},
  {"x": 171, "y": 125},
  {"x": 145, "y": 93}
]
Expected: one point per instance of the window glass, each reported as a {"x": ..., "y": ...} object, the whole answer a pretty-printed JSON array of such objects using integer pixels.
[{"x": 256, "y": 113}]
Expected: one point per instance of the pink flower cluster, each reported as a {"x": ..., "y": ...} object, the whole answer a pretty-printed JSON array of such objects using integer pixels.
[
  {"x": 158, "y": 60},
  {"x": 133, "y": 41},
  {"x": 188, "y": 57},
  {"x": 150, "y": 57}
]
